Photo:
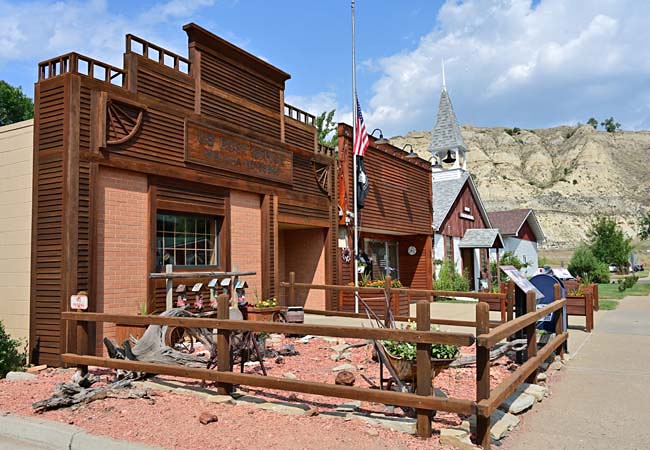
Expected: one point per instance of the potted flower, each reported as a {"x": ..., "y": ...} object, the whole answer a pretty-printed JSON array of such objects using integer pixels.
[
  {"x": 402, "y": 356},
  {"x": 263, "y": 311}
]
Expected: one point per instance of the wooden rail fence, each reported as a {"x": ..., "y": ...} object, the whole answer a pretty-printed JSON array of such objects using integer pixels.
[{"x": 78, "y": 351}]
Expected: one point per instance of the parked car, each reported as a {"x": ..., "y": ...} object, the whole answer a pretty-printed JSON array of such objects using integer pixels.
[
  {"x": 637, "y": 267},
  {"x": 613, "y": 268}
]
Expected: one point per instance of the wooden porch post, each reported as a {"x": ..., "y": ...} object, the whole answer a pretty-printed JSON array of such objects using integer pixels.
[
  {"x": 482, "y": 374},
  {"x": 424, "y": 385}
]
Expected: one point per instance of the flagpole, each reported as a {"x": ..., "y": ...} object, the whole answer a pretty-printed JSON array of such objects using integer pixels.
[{"x": 354, "y": 169}]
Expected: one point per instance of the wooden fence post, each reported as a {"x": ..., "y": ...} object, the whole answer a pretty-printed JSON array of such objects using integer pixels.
[
  {"x": 589, "y": 311},
  {"x": 594, "y": 292},
  {"x": 389, "y": 300},
  {"x": 292, "y": 289},
  {"x": 531, "y": 333},
  {"x": 559, "y": 316},
  {"x": 482, "y": 374},
  {"x": 510, "y": 300},
  {"x": 223, "y": 343},
  {"x": 423, "y": 317},
  {"x": 169, "y": 285}
]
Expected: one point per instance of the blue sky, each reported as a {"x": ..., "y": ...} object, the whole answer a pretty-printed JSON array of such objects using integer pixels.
[{"x": 508, "y": 62}]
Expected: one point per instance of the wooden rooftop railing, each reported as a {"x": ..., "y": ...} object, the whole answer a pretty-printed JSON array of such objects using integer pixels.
[
  {"x": 82, "y": 65},
  {"x": 160, "y": 55},
  {"x": 326, "y": 150},
  {"x": 299, "y": 115}
]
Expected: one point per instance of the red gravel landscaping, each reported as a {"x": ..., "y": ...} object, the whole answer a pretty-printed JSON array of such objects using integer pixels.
[{"x": 172, "y": 420}]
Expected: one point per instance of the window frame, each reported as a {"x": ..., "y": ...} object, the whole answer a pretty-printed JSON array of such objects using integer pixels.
[
  {"x": 219, "y": 235},
  {"x": 367, "y": 241}
]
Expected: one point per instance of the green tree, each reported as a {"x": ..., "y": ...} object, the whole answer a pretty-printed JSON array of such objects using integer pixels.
[
  {"x": 610, "y": 125},
  {"x": 11, "y": 359},
  {"x": 14, "y": 105},
  {"x": 644, "y": 227},
  {"x": 593, "y": 122},
  {"x": 450, "y": 280},
  {"x": 326, "y": 127},
  {"x": 584, "y": 264},
  {"x": 608, "y": 243}
]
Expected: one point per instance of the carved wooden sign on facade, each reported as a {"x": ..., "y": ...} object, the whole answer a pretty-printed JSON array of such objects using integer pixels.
[{"x": 210, "y": 147}]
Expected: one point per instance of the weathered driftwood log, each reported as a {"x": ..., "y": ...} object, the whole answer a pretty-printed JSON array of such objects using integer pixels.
[
  {"x": 152, "y": 347},
  {"x": 70, "y": 394},
  {"x": 495, "y": 353}
]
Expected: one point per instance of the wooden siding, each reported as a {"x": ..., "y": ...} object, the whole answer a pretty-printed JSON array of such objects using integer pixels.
[
  {"x": 526, "y": 233},
  {"x": 399, "y": 199},
  {"x": 216, "y": 107},
  {"x": 223, "y": 74},
  {"x": 164, "y": 84},
  {"x": 299, "y": 134},
  {"x": 159, "y": 140},
  {"x": 454, "y": 225},
  {"x": 270, "y": 265},
  {"x": 47, "y": 223},
  {"x": 173, "y": 196}
]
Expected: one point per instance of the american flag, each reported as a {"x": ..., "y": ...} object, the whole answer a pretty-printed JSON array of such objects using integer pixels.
[{"x": 360, "y": 135}]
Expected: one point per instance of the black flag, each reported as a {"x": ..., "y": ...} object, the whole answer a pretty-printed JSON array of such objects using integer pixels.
[{"x": 362, "y": 183}]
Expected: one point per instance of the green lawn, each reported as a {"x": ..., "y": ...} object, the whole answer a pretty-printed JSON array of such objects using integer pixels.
[
  {"x": 608, "y": 305},
  {"x": 610, "y": 291}
]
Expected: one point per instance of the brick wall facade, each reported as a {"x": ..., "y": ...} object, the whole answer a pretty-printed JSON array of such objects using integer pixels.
[
  {"x": 246, "y": 239},
  {"x": 303, "y": 252},
  {"x": 122, "y": 234}
]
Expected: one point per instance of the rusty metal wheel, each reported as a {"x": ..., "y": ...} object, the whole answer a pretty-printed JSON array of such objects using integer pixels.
[
  {"x": 179, "y": 337},
  {"x": 280, "y": 316}
]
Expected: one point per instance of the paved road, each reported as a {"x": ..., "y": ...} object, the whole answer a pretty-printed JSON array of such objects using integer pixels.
[{"x": 602, "y": 401}]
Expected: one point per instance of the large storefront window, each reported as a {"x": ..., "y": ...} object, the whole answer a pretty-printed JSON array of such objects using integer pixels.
[
  {"x": 187, "y": 240},
  {"x": 383, "y": 258}
]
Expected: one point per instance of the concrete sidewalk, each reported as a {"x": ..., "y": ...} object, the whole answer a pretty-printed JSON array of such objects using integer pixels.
[
  {"x": 602, "y": 400},
  {"x": 29, "y": 433}
]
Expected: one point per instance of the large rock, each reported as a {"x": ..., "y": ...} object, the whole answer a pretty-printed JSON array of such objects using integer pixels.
[
  {"x": 20, "y": 376},
  {"x": 518, "y": 402},
  {"x": 537, "y": 391},
  {"x": 500, "y": 424},
  {"x": 457, "y": 438},
  {"x": 345, "y": 378}
]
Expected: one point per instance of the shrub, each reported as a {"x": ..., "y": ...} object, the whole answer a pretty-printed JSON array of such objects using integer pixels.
[
  {"x": 450, "y": 280},
  {"x": 585, "y": 265},
  {"x": 11, "y": 358}
]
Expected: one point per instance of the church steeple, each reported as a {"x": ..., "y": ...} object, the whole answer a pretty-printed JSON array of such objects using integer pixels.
[{"x": 446, "y": 138}]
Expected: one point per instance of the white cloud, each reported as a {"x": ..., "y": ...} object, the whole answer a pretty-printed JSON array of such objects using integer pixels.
[
  {"x": 43, "y": 29},
  {"x": 510, "y": 64},
  {"x": 319, "y": 103}
]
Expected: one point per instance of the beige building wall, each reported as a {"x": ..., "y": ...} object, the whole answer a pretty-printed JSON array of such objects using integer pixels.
[{"x": 16, "y": 155}]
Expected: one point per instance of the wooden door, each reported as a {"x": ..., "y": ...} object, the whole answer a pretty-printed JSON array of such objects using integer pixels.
[{"x": 467, "y": 255}]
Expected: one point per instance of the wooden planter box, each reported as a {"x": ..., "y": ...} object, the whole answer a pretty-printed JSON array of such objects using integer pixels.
[
  {"x": 581, "y": 305},
  {"x": 262, "y": 314}
]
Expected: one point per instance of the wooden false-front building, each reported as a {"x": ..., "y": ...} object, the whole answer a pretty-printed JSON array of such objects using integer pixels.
[
  {"x": 192, "y": 161},
  {"x": 395, "y": 231}
]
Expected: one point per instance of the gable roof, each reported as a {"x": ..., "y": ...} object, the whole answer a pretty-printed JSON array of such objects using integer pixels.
[
  {"x": 481, "y": 238},
  {"x": 446, "y": 132},
  {"x": 510, "y": 222},
  {"x": 445, "y": 192}
]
